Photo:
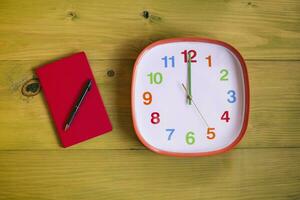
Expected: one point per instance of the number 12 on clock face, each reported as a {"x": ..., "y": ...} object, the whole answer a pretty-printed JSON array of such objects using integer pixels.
[{"x": 188, "y": 102}]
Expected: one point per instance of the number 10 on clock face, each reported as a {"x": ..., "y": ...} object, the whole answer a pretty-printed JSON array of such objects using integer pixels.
[{"x": 190, "y": 97}]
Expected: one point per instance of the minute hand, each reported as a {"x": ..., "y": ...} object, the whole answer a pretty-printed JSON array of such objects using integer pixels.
[
  {"x": 191, "y": 99},
  {"x": 189, "y": 79}
]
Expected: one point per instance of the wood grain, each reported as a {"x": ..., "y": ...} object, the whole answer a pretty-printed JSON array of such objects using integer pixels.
[
  {"x": 274, "y": 114},
  {"x": 35, "y": 29},
  {"x": 244, "y": 174}
]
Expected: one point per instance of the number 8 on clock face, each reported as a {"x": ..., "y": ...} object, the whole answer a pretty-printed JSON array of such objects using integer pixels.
[{"x": 190, "y": 97}]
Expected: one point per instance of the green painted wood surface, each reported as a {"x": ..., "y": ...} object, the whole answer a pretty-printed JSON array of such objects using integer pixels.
[{"x": 265, "y": 165}]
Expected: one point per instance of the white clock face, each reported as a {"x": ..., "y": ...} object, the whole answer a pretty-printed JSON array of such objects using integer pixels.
[{"x": 190, "y": 97}]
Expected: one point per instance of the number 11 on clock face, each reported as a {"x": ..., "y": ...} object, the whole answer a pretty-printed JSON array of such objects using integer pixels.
[{"x": 188, "y": 102}]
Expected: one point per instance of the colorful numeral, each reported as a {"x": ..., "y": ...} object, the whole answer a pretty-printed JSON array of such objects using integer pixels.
[
  {"x": 155, "y": 118},
  {"x": 232, "y": 96},
  {"x": 224, "y": 73},
  {"x": 192, "y": 53},
  {"x": 189, "y": 138},
  {"x": 208, "y": 58},
  {"x": 147, "y": 96},
  {"x": 225, "y": 116},
  {"x": 165, "y": 59},
  {"x": 210, "y": 133},
  {"x": 155, "y": 78},
  {"x": 171, "y": 131}
]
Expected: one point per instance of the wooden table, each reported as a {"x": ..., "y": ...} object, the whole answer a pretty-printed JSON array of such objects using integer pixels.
[{"x": 265, "y": 165}]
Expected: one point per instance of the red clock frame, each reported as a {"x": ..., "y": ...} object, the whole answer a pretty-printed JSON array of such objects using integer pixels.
[{"x": 247, "y": 97}]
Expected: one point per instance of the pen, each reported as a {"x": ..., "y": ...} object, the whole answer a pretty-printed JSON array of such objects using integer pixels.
[{"x": 75, "y": 109}]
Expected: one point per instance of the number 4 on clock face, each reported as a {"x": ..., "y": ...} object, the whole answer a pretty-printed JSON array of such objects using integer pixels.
[{"x": 190, "y": 97}]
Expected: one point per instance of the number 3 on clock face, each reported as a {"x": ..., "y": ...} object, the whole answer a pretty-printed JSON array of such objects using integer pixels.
[{"x": 190, "y": 97}]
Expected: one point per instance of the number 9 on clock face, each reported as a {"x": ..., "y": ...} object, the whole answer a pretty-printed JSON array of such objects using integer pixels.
[{"x": 190, "y": 97}]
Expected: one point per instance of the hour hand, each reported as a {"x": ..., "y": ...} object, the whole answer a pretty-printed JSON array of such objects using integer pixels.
[{"x": 188, "y": 96}]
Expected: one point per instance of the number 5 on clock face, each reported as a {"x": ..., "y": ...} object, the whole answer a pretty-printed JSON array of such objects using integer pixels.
[{"x": 190, "y": 97}]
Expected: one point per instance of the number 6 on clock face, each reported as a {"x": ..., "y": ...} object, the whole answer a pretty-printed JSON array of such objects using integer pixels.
[{"x": 190, "y": 97}]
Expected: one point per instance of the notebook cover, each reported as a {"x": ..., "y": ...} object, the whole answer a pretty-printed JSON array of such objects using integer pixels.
[{"x": 62, "y": 82}]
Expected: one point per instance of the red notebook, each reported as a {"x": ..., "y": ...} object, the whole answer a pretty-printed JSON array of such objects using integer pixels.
[{"x": 62, "y": 82}]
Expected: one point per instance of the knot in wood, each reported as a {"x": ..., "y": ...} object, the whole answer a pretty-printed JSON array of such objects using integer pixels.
[
  {"x": 146, "y": 14},
  {"x": 110, "y": 73},
  {"x": 31, "y": 87},
  {"x": 72, "y": 14}
]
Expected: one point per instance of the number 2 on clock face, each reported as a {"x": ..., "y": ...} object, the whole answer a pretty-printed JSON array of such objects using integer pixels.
[{"x": 170, "y": 74}]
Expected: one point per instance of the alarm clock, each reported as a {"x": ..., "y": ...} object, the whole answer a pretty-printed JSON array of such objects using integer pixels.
[{"x": 190, "y": 97}]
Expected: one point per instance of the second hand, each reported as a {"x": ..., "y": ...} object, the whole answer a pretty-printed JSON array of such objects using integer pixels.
[{"x": 191, "y": 99}]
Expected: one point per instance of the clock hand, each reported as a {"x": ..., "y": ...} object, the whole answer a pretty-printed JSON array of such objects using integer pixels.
[
  {"x": 191, "y": 99},
  {"x": 189, "y": 79}
]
